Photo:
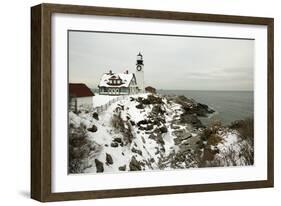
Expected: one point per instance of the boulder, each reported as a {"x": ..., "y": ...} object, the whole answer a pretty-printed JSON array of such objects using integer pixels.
[
  {"x": 99, "y": 165},
  {"x": 179, "y": 133},
  {"x": 147, "y": 127},
  {"x": 137, "y": 151},
  {"x": 151, "y": 160},
  {"x": 132, "y": 123},
  {"x": 140, "y": 106},
  {"x": 114, "y": 144},
  {"x": 95, "y": 115},
  {"x": 186, "y": 136},
  {"x": 134, "y": 164},
  {"x": 117, "y": 139},
  {"x": 144, "y": 122},
  {"x": 157, "y": 109},
  {"x": 109, "y": 159},
  {"x": 151, "y": 99},
  {"x": 157, "y": 137},
  {"x": 177, "y": 141},
  {"x": 163, "y": 129},
  {"x": 122, "y": 168},
  {"x": 93, "y": 129}
]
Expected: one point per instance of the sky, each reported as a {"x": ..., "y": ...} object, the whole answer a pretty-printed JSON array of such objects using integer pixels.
[{"x": 170, "y": 62}]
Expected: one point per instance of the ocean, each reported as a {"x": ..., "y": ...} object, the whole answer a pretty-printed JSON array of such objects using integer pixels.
[{"x": 229, "y": 105}]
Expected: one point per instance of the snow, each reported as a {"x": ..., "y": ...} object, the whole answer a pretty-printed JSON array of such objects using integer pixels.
[
  {"x": 229, "y": 139},
  {"x": 122, "y": 155},
  {"x": 231, "y": 150},
  {"x": 99, "y": 100}
]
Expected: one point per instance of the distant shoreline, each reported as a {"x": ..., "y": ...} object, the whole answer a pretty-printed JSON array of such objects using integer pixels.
[{"x": 93, "y": 89}]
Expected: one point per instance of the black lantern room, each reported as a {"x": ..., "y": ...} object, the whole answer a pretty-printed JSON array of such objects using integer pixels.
[{"x": 139, "y": 59}]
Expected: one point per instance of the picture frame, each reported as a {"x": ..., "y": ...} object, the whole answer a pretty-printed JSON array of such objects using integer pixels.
[{"x": 41, "y": 101}]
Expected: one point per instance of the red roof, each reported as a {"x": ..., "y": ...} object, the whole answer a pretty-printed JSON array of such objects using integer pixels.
[{"x": 79, "y": 90}]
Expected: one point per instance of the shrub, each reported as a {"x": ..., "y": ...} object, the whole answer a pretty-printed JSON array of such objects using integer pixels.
[
  {"x": 247, "y": 152},
  {"x": 242, "y": 153},
  {"x": 122, "y": 126},
  {"x": 214, "y": 139},
  {"x": 210, "y": 135},
  {"x": 117, "y": 122},
  {"x": 245, "y": 128},
  {"x": 79, "y": 149}
]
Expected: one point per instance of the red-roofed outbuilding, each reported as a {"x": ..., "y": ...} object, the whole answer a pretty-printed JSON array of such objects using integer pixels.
[{"x": 80, "y": 96}]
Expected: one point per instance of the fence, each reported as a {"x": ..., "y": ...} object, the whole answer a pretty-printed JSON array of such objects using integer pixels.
[{"x": 104, "y": 107}]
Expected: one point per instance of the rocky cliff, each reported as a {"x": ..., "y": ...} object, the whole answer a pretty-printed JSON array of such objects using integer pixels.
[{"x": 151, "y": 132}]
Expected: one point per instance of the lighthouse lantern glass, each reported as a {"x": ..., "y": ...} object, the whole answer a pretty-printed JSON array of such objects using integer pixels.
[{"x": 139, "y": 57}]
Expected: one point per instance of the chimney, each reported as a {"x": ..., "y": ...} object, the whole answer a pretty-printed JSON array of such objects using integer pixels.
[
  {"x": 110, "y": 71},
  {"x": 126, "y": 72}
]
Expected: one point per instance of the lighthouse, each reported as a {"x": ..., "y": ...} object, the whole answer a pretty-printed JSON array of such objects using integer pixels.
[{"x": 139, "y": 72}]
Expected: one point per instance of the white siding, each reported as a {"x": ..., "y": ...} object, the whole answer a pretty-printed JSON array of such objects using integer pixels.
[{"x": 84, "y": 101}]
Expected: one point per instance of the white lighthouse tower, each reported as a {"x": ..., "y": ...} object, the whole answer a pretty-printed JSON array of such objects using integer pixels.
[{"x": 140, "y": 72}]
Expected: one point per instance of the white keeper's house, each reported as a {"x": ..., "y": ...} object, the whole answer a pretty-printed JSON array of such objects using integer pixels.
[{"x": 123, "y": 83}]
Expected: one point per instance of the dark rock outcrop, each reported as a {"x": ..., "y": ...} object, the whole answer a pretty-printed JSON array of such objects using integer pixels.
[
  {"x": 151, "y": 99},
  {"x": 122, "y": 168},
  {"x": 140, "y": 106},
  {"x": 145, "y": 121},
  {"x": 135, "y": 165},
  {"x": 157, "y": 109},
  {"x": 146, "y": 127},
  {"x": 157, "y": 137},
  {"x": 137, "y": 151},
  {"x": 109, "y": 159},
  {"x": 93, "y": 129},
  {"x": 191, "y": 119},
  {"x": 117, "y": 139},
  {"x": 99, "y": 165},
  {"x": 95, "y": 115},
  {"x": 114, "y": 144},
  {"x": 132, "y": 123},
  {"x": 163, "y": 129},
  {"x": 192, "y": 110}
]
